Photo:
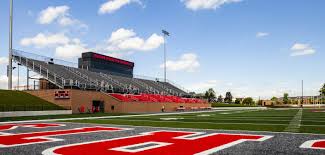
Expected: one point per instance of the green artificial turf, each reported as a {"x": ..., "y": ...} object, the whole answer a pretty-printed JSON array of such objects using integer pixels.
[
  {"x": 254, "y": 120},
  {"x": 24, "y": 118},
  {"x": 230, "y": 105},
  {"x": 22, "y": 101}
]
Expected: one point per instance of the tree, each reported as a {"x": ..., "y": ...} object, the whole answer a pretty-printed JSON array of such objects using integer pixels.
[
  {"x": 220, "y": 99},
  {"x": 274, "y": 98},
  {"x": 248, "y": 101},
  {"x": 322, "y": 93},
  {"x": 322, "y": 90},
  {"x": 260, "y": 102},
  {"x": 210, "y": 95},
  {"x": 237, "y": 101},
  {"x": 285, "y": 98},
  {"x": 228, "y": 98}
]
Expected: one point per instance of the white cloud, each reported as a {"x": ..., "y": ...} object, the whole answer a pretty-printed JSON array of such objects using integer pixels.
[
  {"x": 113, "y": 5},
  {"x": 206, "y": 4},
  {"x": 71, "y": 50},
  {"x": 45, "y": 40},
  {"x": 299, "y": 49},
  {"x": 64, "y": 46},
  {"x": 262, "y": 34},
  {"x": 3, "y": 60},
  {"x": 61, "y": 15},
  {"x": 188, "y": 62},
  {"x": 127, "y": 39},
  {"x": 121, "y": 34},
  {"x": 50, "y": 14}
]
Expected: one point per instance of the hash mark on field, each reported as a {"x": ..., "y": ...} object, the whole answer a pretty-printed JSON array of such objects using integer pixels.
[{"x": 294, "y": 124}]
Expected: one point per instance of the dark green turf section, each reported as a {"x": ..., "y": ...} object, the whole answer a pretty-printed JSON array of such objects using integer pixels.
[
  {"x": 230, "y": 105},
  {"x": 21, "y": 101},
  {"x": 25, "y": 118},
  {"x": 261, "y": 120}
]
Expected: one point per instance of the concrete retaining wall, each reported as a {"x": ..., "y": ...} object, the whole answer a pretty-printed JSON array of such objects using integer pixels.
[
  {"x": 34, "y": 113},
  {"x": 80, "y": 98}
]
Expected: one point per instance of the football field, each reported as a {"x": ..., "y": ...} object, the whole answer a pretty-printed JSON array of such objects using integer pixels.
[
  {"x": 275, "y": 120},
  {"x": 227, "y": 131}
]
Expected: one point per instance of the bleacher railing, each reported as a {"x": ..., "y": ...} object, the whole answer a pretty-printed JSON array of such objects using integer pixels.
[
  {"x": 162, "y": 80},
  {"x": 43, "y": 58},
  {"x": 92, "y": 82},
  {"x": 24, "y": 58}
]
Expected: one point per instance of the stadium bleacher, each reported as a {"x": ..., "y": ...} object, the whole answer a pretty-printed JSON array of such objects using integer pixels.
[{"x": 65, "y": 76}]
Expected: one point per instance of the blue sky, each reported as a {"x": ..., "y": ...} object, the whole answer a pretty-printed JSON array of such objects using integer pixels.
[{"x": 249, "y": 47}]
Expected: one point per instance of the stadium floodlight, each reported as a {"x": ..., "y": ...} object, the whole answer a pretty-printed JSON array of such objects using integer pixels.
[
  {"x": 165, "y": 34},
  {"x": 10, "y": 47}
]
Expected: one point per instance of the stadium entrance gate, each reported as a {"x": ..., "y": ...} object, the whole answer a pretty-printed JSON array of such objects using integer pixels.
[{"x": 98, "y": 106}]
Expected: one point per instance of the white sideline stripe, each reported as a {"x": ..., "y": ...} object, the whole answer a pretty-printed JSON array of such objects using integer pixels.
[
  {"x": 213, "y": 122},
  {"x": 237, "y": 112},
  {"x": 222, "y": 130},
  {"x": 295, "y": 123},
  {"x": 121, "y": 116},
  {"x": 237, "y": 119},
  {"x": 203, "y": 122}
]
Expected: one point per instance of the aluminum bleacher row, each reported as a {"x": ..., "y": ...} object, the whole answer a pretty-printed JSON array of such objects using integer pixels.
[
  {"x": 64, "y": 76},
  {"x": 154, "y": 98}
]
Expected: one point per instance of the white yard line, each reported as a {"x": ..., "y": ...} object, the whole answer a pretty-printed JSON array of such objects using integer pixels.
[
  {"x": 283, "y": 124},
  {"x": 295, "y": 123},
  {"x": 237, "y": 119},
  {"x": 238, "y": 112}
]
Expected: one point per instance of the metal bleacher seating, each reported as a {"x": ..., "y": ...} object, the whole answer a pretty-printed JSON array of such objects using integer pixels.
[{"x": 66, "y": 76}]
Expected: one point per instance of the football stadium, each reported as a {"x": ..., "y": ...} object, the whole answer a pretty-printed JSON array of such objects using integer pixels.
[{"x": 98, "y": 105}]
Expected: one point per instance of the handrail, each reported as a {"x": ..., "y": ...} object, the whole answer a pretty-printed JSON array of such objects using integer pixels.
[
  {"x": 43, "y": 68},
  {"x": 161, "y": 80},
  {"x": 112, "y": 80},
  {"x": 75, "y": 65},
  {"x": 43, "y": 58},
  {"x": 82, "y": 76}
]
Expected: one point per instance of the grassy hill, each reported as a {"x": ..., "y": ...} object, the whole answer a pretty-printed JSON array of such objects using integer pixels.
[{"x": 22, "y": 101}]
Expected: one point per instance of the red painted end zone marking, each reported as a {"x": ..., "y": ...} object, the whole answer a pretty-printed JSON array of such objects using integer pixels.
[
  {"x": 314, "y": 144},
  {"x": 161, "y": 142},
  {"x": 10, "y": 140},
  {"x": 38, "y": 125}
]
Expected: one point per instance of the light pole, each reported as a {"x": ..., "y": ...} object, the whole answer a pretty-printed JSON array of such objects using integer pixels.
[
  {"x": 27, "y": 78},
  {"x": 10, "y": 47},
  {"x": 18, "y": 75},
  {"x": 165, "y": 34}
]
